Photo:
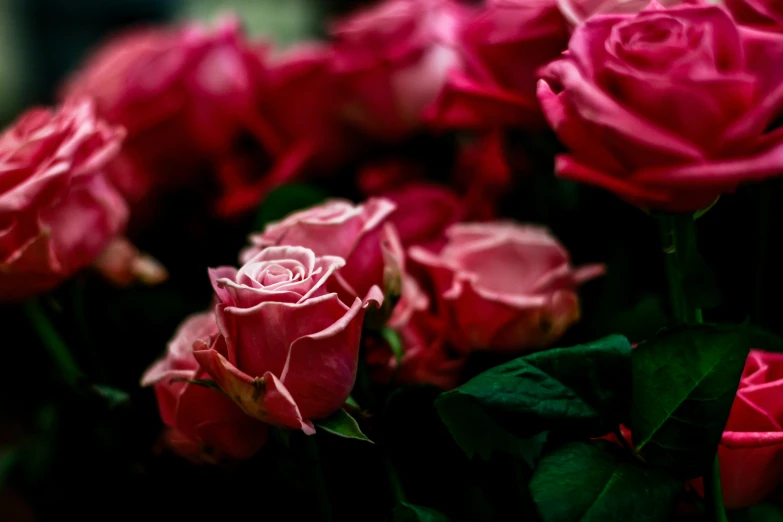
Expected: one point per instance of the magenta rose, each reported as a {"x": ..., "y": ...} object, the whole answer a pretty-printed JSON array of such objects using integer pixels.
[
  {"x": 503, "y": 48},
  {"x": 183, "y": 94},
  {"x": 289, "y": 347},
  {"x": 751, "y": 449},
  {"x": 577, "y": 11},
  {"x": 669, "y": 109},
  {"x": 203, "y": 423},
  {"x": 504, "y": 286},
  {"x": 392, "y": 60},
  {"x": 57, "y": 210},
  {"x": 762, "y": 14}
]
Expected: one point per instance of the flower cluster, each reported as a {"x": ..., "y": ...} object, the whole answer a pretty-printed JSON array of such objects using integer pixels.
[
  {"x": 430, "y": 113},
  {"x": 284, "y": 339}
]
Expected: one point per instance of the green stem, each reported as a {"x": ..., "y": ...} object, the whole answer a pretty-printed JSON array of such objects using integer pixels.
[
  {"x": 678, "y": 234},
  {"x": 713, "y": 495},
  {"x": 394, "y": 480},
  {"x": 53, "y": 343},
  {"x": 678, "y": 237},
  {"x": 319, "y": 483}
]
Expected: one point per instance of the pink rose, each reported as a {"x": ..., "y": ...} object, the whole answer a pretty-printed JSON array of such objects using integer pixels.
[
  {"x": 504, "y": 286},
  {"x": 763, "y": 14},
  {"x": 289, "y": 348},
  {"x": 577, "y": 11},
  {"x": 503, "y": 47},
  {"x": 53, "y": 191},
  {"x": 751, "y": 449},
  {"x": 427, "y": 356},
  {"x": 392, "y": 61},
  {"x": 183, "y": 94},
  {"x": 204, "y": 424},
  {"x": 667, "y": 108},
  {"x": 356, "y": 232},
  {"x": 336, "y": 228}
]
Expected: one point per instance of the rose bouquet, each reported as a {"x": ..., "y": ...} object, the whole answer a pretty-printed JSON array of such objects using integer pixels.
[{"x": 409, "y": 272}]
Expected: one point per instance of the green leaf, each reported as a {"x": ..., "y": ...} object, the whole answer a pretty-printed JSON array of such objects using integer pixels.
[
  {"x": 595, "y": 482},
  {"x": 351, "y": 402},
  {"x": 476, "y": 432},
  {"x": 404, "y": 512},
  {"x": 343, "y": 425},
  {"x": 284, "y": 200},
  {"x": 583, "y": 391},
  {"x": 764, "y": 339},
  {"x": 394, "y": 342},
  {"x": 684, "y": 382},
  {"x": 114, "y": 398}
]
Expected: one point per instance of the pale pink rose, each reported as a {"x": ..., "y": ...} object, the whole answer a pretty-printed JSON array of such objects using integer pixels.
[
  {"x": 57, "y": 210},
  {"x": 336, "y": 228},
  {"x": 203, "y": 424},
  {"x": 504, "y": 286},
  {"x": 289, "y": 348}
]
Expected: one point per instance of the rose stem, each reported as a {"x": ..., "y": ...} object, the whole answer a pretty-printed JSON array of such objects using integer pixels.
[
  {"x": 678, "y": 234},
  {"x": 394, "y": 479},
  {"x": 317, "y": 472},
  {"x": 53, "y": 342}
]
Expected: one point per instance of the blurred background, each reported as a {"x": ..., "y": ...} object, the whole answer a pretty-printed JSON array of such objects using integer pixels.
[{"x": 41, "y": 40}]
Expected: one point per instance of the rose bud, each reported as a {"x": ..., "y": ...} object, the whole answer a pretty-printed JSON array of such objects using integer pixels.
[
  {"x": 761, "y": 14},
  {"x": 289, "y": 350},
  {"x": 57, "y": 210},
  {"x": 203, "y": 424},
  {"x": 668, "y": 108},
  {"x": 503, "y": 47},
  {"x": 504, "y": 286},
  {"x": 392, "y": 60}
]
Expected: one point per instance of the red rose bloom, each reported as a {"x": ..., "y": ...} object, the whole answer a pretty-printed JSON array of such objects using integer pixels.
[
  {"x": 57, "y": 210},
  {"x": 669, "y": 109},
  {"x": 183, "y": 94},
  {"x": 504, "y": 286},
  {"x": 289, "y": 348},
  {"x": 204, "y": 425},
  {"x": 503, "y": 47},
  {"x": 392, "y": 60}
]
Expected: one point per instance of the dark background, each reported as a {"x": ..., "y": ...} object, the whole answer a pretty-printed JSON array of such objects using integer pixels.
[{"x": 64, "y": 455}]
